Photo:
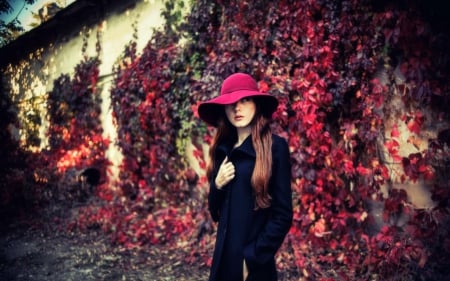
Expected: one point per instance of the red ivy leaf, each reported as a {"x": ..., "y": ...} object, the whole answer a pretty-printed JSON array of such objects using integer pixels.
[
  {"x": 362, "y": 170},
  {"x": 392, "y": 147},
  {"x": 395, "y": 133},
  {"x": 263, "y": 86},
  {"x": 415, "y": 123}
]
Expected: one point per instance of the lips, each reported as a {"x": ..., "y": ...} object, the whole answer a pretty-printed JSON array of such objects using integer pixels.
[{"x": 238, "y": 117}]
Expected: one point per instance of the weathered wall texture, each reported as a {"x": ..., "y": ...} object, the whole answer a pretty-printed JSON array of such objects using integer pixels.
[{"x": 32, "y": 78}]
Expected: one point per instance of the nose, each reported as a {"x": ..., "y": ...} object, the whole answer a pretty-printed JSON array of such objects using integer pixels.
[
  {"x": 234, "y": 107},
  {"x": 237, "y": 106}
]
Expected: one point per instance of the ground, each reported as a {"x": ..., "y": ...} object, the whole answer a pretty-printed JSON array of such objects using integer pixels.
[{"x": 35, "y": 250}]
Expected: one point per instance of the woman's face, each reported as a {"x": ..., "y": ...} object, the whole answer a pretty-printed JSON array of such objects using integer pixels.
[{"x": 241, "y": 113}]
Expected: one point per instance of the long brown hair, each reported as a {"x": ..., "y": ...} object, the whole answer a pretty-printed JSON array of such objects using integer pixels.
[{"x": 262, "y": 143}]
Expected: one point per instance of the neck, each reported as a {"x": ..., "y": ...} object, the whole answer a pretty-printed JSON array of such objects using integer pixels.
[{"x": 242, "y": 134}]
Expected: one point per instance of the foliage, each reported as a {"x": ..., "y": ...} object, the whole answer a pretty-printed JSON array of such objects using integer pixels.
[
  {"x": 75, "y": 139},
  {"x": 74, "y": 111},
  {"x": 149, "y": 97},
  {"x": 5, "y": 6},
  {"x": 10, "y": 30},
  {"x": 342, "y": 70},
  {"x": 22, "y": 190},
  {"x": 322, "y": 59},
  {"x": 13, "y": 158}
]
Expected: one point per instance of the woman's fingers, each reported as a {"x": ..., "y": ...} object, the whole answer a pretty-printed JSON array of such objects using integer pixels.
[
  {"x": 228, "y": 169},
  {"x": 225, "y": 160},
  {"x": 225, "y": 173},
  {"x": 245, "y": 271}
]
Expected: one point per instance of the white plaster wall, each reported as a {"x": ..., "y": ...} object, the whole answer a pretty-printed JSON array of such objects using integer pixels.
[
  {"x": 35, "y": 75},
  {"x": 116, "y": 31}
]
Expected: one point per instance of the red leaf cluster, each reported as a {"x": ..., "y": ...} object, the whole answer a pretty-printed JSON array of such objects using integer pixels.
[{"x": 321, "y": 59}]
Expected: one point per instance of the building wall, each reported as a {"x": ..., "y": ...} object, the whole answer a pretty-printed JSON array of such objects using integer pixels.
[{"x": 32, "y": 77}]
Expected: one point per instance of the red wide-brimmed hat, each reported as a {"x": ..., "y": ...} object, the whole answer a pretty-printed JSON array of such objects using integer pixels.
[{"x": 234, "y": 88}]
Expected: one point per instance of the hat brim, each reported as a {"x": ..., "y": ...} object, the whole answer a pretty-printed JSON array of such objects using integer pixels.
[{"x": 210, "y": 111}]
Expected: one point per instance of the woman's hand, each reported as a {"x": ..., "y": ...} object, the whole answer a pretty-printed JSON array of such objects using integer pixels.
[
  {"x": 225, "y": 173},
  {"x": 245, "y": 271}
]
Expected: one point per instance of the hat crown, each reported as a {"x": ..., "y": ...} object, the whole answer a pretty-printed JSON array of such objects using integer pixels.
[{"x": 238, "y": 82}]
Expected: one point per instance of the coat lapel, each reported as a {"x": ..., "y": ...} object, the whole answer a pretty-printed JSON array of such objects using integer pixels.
[{"x": 247, "y": 147}]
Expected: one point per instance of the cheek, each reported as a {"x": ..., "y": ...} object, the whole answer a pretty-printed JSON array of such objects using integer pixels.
[
  {"x": 252, "y": 111},
  {"x": 229, "y": 112}
]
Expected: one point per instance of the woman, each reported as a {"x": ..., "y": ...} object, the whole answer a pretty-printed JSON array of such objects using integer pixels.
[{"x": 250, "y": 182}]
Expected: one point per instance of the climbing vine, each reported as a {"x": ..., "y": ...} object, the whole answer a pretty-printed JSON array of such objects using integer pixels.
[
  {"x": 363, "y": 98},
  {"x": 336, "y": 67}
]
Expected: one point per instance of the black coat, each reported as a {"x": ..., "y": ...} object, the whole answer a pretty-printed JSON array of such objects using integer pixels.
[{"x": 243, "y": 232}]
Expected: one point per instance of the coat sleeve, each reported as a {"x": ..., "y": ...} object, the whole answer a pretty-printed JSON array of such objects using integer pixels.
[
  {"x": 269, "y": 240},
  {"x": 215, "y": 197}
]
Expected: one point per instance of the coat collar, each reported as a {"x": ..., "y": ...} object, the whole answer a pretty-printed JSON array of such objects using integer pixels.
[{"x": 246, "y": 147}]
